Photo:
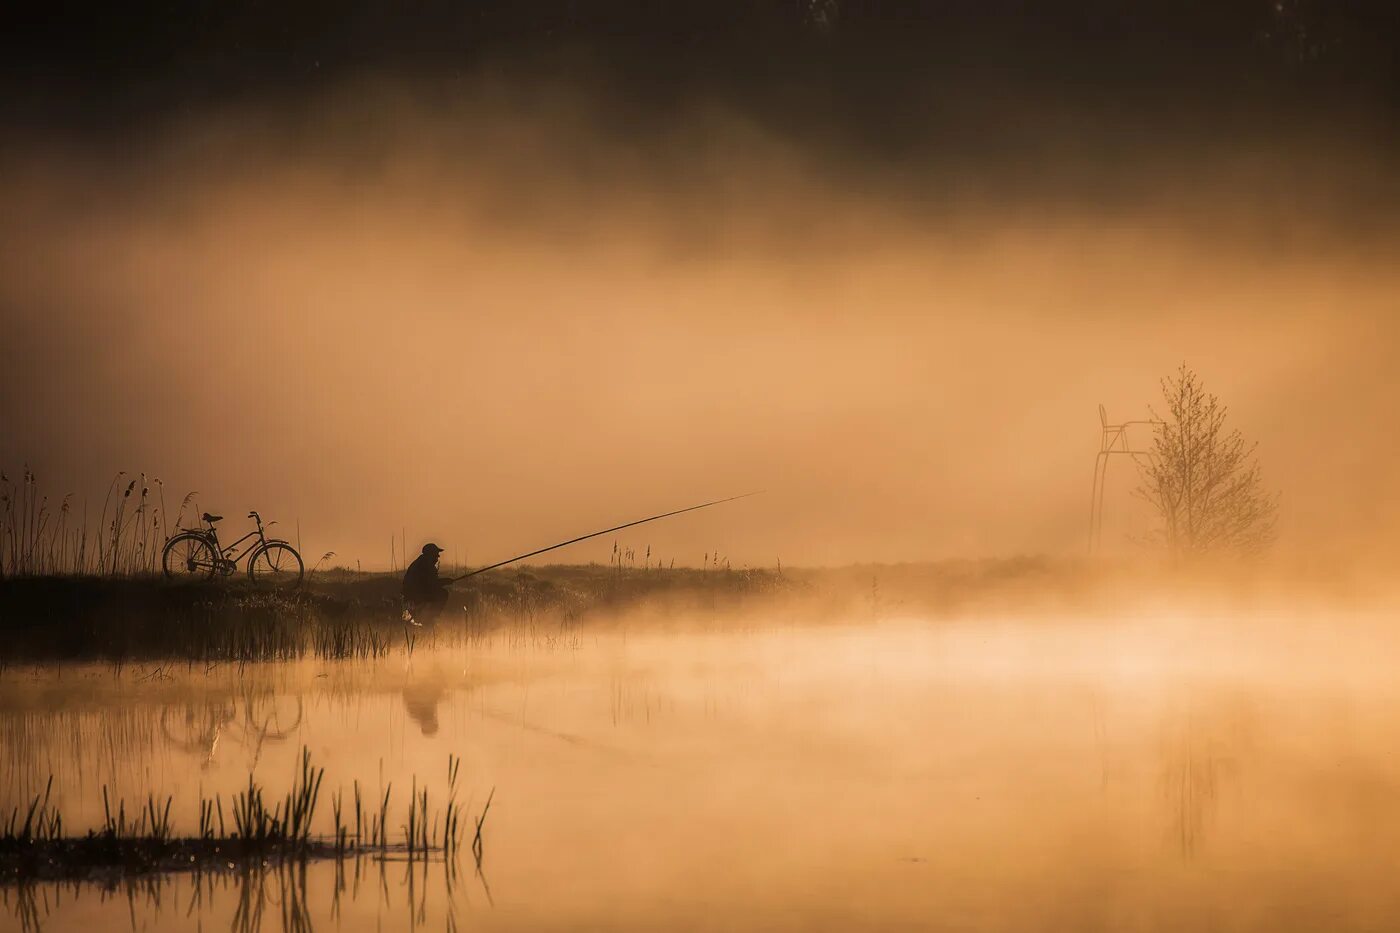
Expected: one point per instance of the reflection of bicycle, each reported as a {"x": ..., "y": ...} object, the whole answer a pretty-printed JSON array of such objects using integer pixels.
[
  {"x": 195, "y": 554},
  {"x": 197, "y": 729}
]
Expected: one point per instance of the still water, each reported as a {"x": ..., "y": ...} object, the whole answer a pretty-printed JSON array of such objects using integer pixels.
[{"x": 1161, "y": 773}]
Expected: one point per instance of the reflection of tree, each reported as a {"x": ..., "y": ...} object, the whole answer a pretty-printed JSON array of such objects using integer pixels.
[
  {"x": 1191, "y": 780},
  {"x": 1199, "y": 759}
]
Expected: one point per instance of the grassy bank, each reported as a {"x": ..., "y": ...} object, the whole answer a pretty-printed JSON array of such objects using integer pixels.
[
  {"x": 340, "y": 614},
  {"x": 345, "y": 614}
]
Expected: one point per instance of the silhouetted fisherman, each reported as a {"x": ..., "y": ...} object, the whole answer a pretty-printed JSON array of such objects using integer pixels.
[{"x": 425, "y": 591}]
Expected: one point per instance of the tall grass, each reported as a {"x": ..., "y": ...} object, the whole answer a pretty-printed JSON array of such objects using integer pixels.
[
  {"x": 259, "y": 826},
  {"x": 40, "y": 821},
  {"x": 289, "y": 821},
  {"x": 38, "y": 538}
]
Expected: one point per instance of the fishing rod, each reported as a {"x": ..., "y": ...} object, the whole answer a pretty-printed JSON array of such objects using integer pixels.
[{"x": 640, "y": 521}]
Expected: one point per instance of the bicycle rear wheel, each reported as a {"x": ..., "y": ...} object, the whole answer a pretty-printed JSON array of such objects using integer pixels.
[
  {"x": 276, "y": 565},
  {"x": 189, "y": 556},
  {"x": 193, "y": 727}
]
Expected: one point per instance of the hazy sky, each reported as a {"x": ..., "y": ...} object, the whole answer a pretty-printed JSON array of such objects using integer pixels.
[{"x": 495, "y": 324}]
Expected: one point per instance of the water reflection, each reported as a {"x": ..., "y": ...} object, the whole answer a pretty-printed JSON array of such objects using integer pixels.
[
  {"x": 250, "y": 720},
  {"x": 398, "y": 891},
  {"x": 421, "y": 696},
  {"x": 876, "y": 775},
  {"x": 1196, "y": 761}
]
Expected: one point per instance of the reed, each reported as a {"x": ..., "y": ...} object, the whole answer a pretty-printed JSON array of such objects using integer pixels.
[
  {"x": 316, "y": 566},
  {"x": 41, "y": 822},
  {"x": 141, "y": 838},
  {"x": 451, "y": 826},
  {"x": 38, "y": 540},
  {"x": 149, "y": 823},
  {"x": 478, "y": 844}
]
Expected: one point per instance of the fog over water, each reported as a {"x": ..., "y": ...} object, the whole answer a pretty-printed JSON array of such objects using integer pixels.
[{"x": 1216, "y": 769}]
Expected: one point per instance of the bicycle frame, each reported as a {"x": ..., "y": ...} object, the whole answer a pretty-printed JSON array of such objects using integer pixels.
[{"x": 232, "y": 553}]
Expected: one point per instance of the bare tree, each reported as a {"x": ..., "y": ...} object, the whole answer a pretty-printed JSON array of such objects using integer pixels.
[{"x": 1202, "y": 478}]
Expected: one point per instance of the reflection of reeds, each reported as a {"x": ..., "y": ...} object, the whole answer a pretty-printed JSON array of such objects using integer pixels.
[
  {"x": 478, "y": 845},
  {"x": 109, "y": 743},
  {"x": 281, "y": 885},
  {"x": 262, "y": 894}
]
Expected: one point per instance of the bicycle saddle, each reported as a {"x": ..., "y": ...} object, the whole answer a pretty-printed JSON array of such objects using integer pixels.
[{"x": 211, "y": 519}]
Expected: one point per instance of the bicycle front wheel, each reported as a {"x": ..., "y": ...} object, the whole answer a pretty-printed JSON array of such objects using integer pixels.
[
  {"x": 276, "y": 565},
  {"x": 189, "y": 556},
  {"x": 273, "y": 717}
]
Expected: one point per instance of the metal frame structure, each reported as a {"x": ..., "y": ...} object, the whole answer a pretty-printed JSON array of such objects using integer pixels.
[{"x": 1113, "y": 441}]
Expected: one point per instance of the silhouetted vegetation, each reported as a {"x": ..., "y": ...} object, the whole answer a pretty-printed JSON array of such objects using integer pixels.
[
  {"x": 1202, "y": 478},
  {"x": 34, "y": 846},
  {"x": 345, "y": 614},
  {"x": 342, "y": 614},
  {"x": 39, "y": 537}
]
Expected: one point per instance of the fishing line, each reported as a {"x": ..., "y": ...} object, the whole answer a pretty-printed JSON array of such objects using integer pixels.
[{"x": 640, "y": 521}]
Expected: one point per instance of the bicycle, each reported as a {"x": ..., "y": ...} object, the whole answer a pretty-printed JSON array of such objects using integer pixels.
[
  {"x": 196, "y": 729},
  {"x": 195, "y": 554}
]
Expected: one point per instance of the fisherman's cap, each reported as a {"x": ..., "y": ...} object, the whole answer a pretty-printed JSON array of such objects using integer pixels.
[{"x": 431, "y": 548}]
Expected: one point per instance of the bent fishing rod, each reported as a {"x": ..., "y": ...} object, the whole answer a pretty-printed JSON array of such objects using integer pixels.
[{"x": 640, "y": 521}]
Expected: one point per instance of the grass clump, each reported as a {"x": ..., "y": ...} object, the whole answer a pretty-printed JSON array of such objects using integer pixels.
[{"x": 259, "y": 827}]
